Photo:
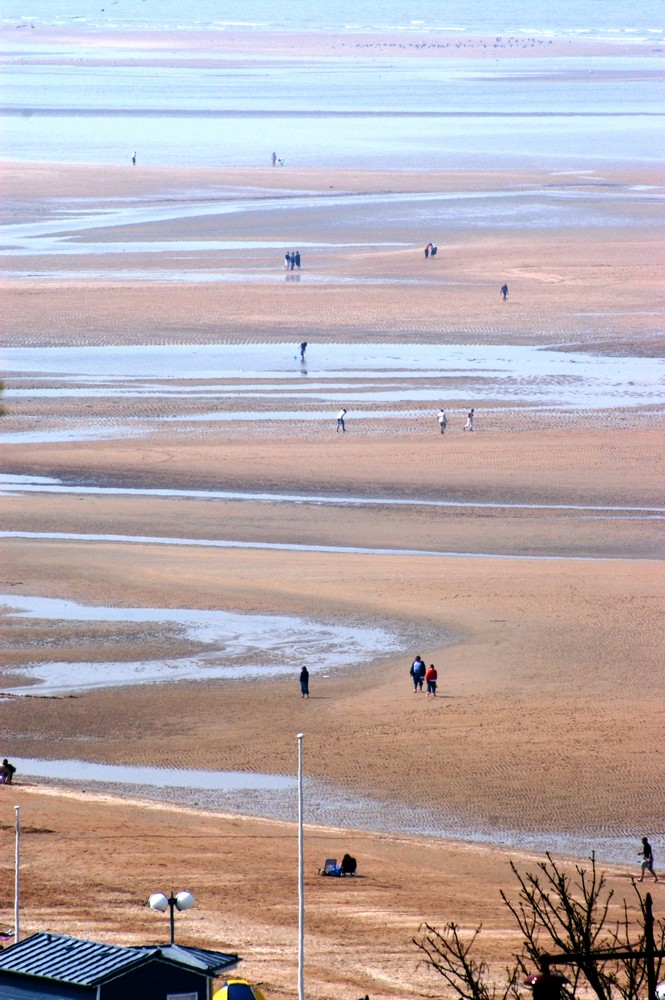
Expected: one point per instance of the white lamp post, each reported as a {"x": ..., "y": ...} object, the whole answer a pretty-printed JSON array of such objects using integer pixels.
[
  {"x": 301, "y": 882},
  {"x": 17, "y": 867},
  {"x": 183, "y": 901}
]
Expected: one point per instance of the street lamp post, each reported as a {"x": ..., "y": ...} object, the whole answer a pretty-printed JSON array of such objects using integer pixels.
[
  {"x": 182, "y": 901},
  {"x": 301, "y": 880}
]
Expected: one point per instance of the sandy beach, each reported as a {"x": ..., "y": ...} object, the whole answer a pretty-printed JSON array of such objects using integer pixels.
[{"x": 170, "y": 462}]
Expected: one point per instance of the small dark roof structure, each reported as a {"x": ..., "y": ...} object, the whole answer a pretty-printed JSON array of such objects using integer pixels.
[
  {"x": 62, "y": 959},
  {"x": 210, "y": 962}
]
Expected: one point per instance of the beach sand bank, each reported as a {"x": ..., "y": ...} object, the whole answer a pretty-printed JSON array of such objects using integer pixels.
[{"x": 545, "y": 622}]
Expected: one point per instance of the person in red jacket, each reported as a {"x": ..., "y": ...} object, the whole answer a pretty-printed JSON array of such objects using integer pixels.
[{"x": 431, "y": 678}]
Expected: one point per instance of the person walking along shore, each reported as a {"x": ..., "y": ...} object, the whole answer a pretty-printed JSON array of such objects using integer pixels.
[{"x": 647, "y": 860}]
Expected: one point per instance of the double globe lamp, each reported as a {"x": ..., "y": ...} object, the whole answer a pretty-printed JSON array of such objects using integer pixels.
[{"x": 182, "y": 901}]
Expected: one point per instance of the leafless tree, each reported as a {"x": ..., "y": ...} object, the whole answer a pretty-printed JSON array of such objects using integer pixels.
[
  {"x": 448, "y": 953},
  {"x": 556, "y": 913}
]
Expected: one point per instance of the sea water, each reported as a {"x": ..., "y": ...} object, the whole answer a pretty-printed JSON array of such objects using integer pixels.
[
  {"x": 588, "y": 18},
  {"x": 98, "y": 97}
]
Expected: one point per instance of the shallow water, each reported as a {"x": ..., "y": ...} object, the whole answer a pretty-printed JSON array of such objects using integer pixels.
[
  {"x": 89, "y": 100},
  {"x": 406, "y": 113},
  {"x": 155, "y": 777},
  {"x": 75, "y": 238},
  {"x": 275, "y": 797},
  {"x": 219, "y": 543},
  {"x": 18, "y": 484},
  {"x": 365, "y": 374},
  {"x": 239, "y": 644}
]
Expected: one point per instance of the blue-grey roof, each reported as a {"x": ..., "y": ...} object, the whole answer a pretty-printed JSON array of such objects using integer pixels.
[
  {"x": 88, "y": 963},
  {"x": 200, "y": 959},
  {"x": 71, "y": 960}
]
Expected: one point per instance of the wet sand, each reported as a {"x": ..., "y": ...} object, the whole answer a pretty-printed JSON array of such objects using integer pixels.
[{"x": 549, "y": 712}]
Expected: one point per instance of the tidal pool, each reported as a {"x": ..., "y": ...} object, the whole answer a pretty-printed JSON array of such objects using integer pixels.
[
  {"x": 274, "y": 796},
  {"x": 238, "y": 646}
]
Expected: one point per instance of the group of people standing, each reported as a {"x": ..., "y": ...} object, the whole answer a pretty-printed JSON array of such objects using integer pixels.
[
  {"x": 292, "y": 260},
  {"x": 422, "y": 674},
  {"x": 430, "y": 250}
]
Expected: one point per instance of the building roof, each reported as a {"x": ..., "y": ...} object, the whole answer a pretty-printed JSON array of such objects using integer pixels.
[
  {"x": 88, "y": 963},
  {"x": 210, "y": 962}
]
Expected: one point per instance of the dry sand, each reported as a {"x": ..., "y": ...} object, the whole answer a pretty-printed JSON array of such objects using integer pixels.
[{"x": 550, "y": 713}]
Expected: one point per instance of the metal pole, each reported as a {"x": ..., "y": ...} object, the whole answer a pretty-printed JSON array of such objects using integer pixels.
[
  {"x": 17, "y": 865},
  {"x": 172, "y": 909},
  {"x": 649, "y": 947},
  {"x": 301, "y": 881}
]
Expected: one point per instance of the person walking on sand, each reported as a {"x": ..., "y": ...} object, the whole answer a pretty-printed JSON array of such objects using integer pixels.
[
  {"x": 340, "y": 420},
  {"x": 504, "y": 292},
  {"x": 296, "y": 259},
  {"x": 468, "y": 426},
  {"x": 274, "y": 159},
  {"x": 287, "y": 260},
  {"x": 415, "y": 671},
  {"x": 430, "y": 679},
  {"x": 134, "y": 159},
  {"x": 303, "y": 348},
  {"x": 647, "y": 860},
  {"x": 443, "y": 423},
  {"x": 304, "y": 683},
  {"x": 427, "y": 246}
]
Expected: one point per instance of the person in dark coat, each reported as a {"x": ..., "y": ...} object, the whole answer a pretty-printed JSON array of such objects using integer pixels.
[
  {"x": 7, "y": 772},
  {"x": 418, "y": 671},
  {"x": 348, "y": 865},
  {"x": 304, "y": 683}
]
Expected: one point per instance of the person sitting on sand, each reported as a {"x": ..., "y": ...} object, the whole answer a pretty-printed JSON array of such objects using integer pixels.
[
  {"x": 7, "y": 772},
  {"x": 348, "y": 865}
]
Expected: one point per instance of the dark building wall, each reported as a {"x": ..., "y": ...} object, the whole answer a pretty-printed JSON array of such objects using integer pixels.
[
  {"x": 14, "y": 987},
  {"x": 154, "y": 981}
]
